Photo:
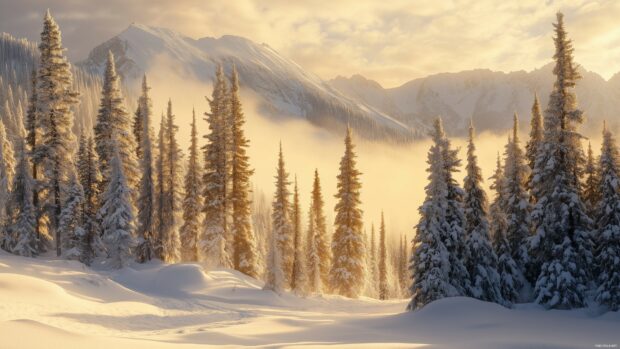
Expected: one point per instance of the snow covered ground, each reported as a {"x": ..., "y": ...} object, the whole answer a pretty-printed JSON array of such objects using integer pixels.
[{"x": 62, "y": 304}]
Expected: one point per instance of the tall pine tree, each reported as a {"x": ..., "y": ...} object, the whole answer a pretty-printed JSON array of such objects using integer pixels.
[
  {"x": 319, "y": 253},
  {"x": 383, "y": 284},
  {"x": 282, "y": 225},
  {"x": 347, "y": 270},
  {"x": 89, "y": 176},
  {"x": 298, "y": 278},
  {"x": 608, "y": 226},
  {"x": 480, "y": 258},
  {"x": 562, "y": 247},
  {"x": 171, "y": 208},
  {"x": 192, "y": 203},
  {"x": 245, "y": 256},
  {"x": 55, "y": 98}
]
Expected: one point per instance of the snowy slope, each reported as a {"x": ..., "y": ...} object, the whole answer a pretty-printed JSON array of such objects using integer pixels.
[
  {"x": 489, "y": 97},
  {"x": 66, "y": 305},
  {"x": 284, "y": 87}
]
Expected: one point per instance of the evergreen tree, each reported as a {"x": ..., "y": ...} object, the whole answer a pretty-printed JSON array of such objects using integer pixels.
[
  {"x": 591, "y": 195},
  {"x": 7, "y": 172},
  {"x": 275, "y": 277},
  {"x": 192, "y": 203},
  {"x": 117, "y": 215},
  {"x": 298, "y": 278},
  {"x": 347, "y": 270},
  {"x": 383, "y": 284},
  {"x": 516, "y": 199},
  {"x": 146, "y": 226},
  {"x": 214, "y": 242},
  {"x": 160, "y": 188},
  {"x": 89, "y": 176},
  {"x": 23, "y": 239},
  {"x": 33, "y": 138},
  {"x": 245, "y": 257},
  {"x": 373, "y": 265},
  {"x": 70, "y": 225},
  {"x": 608, "y": 226},
  {"x": 282, "y": 225},
  {"x": 55, "y": 98},
  {"x": 171, "y": 242},
  {"x": 114, "y": 121},
  {"x": 430, "y": 262},
  {"x": 562, "y": 247},
  {"x": 480, "y": 259},
  {"x": 319, "y": 257},
  {"x": 511, "y": 279},
  {"x": 536, "y": 138}
]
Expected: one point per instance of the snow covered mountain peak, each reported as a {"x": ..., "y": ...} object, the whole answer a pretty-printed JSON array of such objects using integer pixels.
[{"x": 285, "y": 88}]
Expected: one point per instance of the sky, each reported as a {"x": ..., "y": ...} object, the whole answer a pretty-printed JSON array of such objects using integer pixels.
[{"x": 390, "y": 41}]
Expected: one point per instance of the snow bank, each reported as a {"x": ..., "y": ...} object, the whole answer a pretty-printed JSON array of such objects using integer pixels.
[{"x": 183, "y": 306}]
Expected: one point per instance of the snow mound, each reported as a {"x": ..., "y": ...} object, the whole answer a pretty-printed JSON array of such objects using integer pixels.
[{"x": 175, "y": 280}]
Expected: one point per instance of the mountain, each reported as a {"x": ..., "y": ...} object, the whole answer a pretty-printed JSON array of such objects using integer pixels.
[
  {"x": 285, "y": 89},
  {"x": 489, "y": 98}
]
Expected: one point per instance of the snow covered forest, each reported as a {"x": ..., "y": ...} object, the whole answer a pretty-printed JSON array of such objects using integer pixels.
[{"x": 105, "y": 183}]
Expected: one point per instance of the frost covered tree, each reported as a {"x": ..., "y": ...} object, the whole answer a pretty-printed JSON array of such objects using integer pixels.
[
  {"x": 479, "y": 257},
  {"x": 430, "y": 262},
  {"x": 591, "y": 194},
  {"x": 114, "y": 121},
  {"x": 511, "y": 278},
  {"x": 319, "y": 253},
  {"x": 117, "y": 215},
  {"x": 7, "y": 171},
  {"x": 89, "y": 176},
  {"x": 383, "y": 282},
  {"x": 245, "y": 256},
  {"x": 70, "y": 225},
  {"x": 347, "y": 270},
  {"x": 372, "y": 279},
  {"x": 192, "y": 203},
  {"x": 516, "y": 198},
  {"x": 146, "y": 225},
  {"x": 536, "y": 138},
  {"x": 298, "y": 277},
  {"x": 282, "y": 225},
  {"x": 561, "y": 248},
  {"x": 274, "y": 275},
  {"x": 56, "y": 99},
  {"x": 160, "y": 188},
  {"x": 608, "y": 226},
  {"x": 171, "y": 208},
  {"x": 33, "y": 139},
  {"x": 214, "y": 242},
  {"x": 23, "y": 238}
]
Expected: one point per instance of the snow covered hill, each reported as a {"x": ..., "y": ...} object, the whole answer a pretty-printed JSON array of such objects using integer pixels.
[
  {"x": 489, "y": 98},
  {"x": 284, "y": 87},
  {"x": 63, "y": 304}
]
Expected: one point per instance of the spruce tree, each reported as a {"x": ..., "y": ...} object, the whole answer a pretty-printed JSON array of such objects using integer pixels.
[
  {"x": 22, "y": 233},
  {"x": 373, "y": 264},
  {"x": 591, "y": 195},
  {"x": 117, "y": 215},
  {"x": 298, "y": 278},
  {"x": 282, "y": 225},
  {"x": 536, "y": 139},
  {"x": 319, "y": 256},
  {"x": 160, "y": 189},
  {"x": 430, "y": 262},
  {"x": 56, "y": 99},
  {"x": 562, "y": 246},
  {"x": 7, "y": 172},
  {"x": 516, "y": 199},
  {"x": 275, "y": 278},
  {"x": 114, "y": 121},
  {"x": 33, "y": 138},
  {"x": 511, "y": 278},
  {"x": 347, "y": 270},
  {"x": 70, "y": 226},
  {"x": 171, "y": 243},
  {"x": 214, "y": 242},
  {"x": 480, "y": 259},
  {"x": 383, "y": 284},
  {"x": 146, "y": 226},
  {"x": 90, "y": 178},
  {"x": 608, "y": 226},
  {"x": 245, "y": 256},
  {"x": 192, "y": 202}
]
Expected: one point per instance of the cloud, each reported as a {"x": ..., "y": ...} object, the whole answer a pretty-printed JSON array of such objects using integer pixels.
[{"x": 389, "y": 41}]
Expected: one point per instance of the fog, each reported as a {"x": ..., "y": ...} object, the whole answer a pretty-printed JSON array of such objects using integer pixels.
[{"x": 393, "y": 177}]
